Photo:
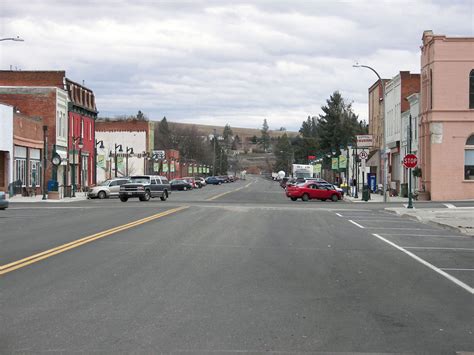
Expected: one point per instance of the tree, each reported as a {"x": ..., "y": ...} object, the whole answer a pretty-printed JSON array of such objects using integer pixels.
[
  {"x": 236, "y": 142},
  {"x": 163, "y": 136},
  {"x": 227, "y": 135},
  {"x": 265, "y": 137},
  {"x": 141, "y": 117},
  {"x": 283, "y": 154},
  {"x": 338, "y": 125}
]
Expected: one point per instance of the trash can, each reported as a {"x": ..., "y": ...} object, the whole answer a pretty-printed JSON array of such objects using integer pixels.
[
  {"x": 366, "y": 193},
  {"x": 404, "y": 190}
]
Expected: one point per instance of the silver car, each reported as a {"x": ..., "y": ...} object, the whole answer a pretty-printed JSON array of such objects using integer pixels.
[
  {"x": 3, "y": 201},
  {"x": 109, "y": 188}
]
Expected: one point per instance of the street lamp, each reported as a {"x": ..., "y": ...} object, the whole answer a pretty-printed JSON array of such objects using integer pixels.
[
  {"x": 384, "y": 153},
  {"x": 80, "y": 145},
  {"x": 15, "y": 39},
  {"x": 115, "y": 155},
  {"x": 214, "y": 137},
  {"x": 128, "y": 151},
  {"x": 101, "y": 146}
]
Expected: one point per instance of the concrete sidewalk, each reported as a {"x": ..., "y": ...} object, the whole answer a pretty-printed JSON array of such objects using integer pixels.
[
  {"x": 80, "y": 196},
  {"x": 376, "y": 198},
  {"x": 459, "y": 219}
]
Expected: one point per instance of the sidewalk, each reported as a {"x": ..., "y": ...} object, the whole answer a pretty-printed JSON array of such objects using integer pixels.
[
  {"x": 458, "y": 219},
  {"x": 376, "y": 198},
  {"x": 80, "y": 196}
]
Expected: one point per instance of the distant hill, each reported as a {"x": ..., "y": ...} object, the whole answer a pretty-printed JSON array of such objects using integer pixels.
[{"x": 243, "y": 133}]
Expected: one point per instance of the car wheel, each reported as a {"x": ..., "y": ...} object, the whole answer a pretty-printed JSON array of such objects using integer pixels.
[
  {"x": 219, "y": 183},
  {"x": 164, "y": 196},
  {"x": 305, "y": 197},
  {"x": 334, "y": 198},
  {"x": 123, "y": 198},
  {"x": 101, "y": 195},
  {"x": 185, "y": 188},
  {"x": 146, "y": 197},
  {"x": 293, "y": 198}
]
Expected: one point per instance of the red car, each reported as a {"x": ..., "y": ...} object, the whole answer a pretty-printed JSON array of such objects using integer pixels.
[{"x": 312, "y": 190}]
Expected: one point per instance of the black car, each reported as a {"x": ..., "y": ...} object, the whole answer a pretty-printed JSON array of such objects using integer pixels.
[
  {"x": 180, "y": 185},
  {"x": 214, "y": 180},
  {"x": 145, "y": 187}
]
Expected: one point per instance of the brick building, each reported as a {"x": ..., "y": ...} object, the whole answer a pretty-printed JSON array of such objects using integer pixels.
[
  {"x": 73, "y": 117},
  {"x": 117, "y": 136},
  {"x": 21, "y": 152},
  {"x": 50, "y": 105}
]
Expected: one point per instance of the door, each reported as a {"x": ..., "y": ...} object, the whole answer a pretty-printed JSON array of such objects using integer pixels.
[
  {"x": 114, "y": 188},
  {"x": 155, "y": 186}
]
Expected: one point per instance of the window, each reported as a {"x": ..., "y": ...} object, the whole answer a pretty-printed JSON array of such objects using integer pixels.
[
  {"x": 82, "y": 127},
  {"x": 35, "y": 173},
  {"x": 469, "y": 159},
  {"x": 471, "y": 89},
  {"x": 20, "y": 170},
  {"x": 431, "y": 89},
  {"x": 153, "y": 182}
]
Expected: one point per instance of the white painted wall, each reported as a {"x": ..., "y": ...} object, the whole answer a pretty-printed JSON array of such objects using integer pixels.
[
  {"x": 61, "y": 118},
  {"x": 135, "y": 140},
  {"x": 6, "y": 136},
  {"x": 393, "y": 110}
]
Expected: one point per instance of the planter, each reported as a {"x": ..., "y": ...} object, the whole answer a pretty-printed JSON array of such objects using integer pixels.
[
  {"x": 53, "y": 195},
  {"x": 424, "y": 196}
]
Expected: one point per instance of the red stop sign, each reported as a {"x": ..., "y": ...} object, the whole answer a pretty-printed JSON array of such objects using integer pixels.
[{"x": 410, "y": 161}]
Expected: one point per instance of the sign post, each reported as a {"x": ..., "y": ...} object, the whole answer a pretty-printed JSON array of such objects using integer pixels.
[{"x": 410, "y": 161}]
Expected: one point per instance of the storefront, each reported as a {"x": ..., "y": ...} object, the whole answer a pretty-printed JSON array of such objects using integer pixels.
[
  {"x": 27, "y": 170},
  {"x": 6, "y": 146}
]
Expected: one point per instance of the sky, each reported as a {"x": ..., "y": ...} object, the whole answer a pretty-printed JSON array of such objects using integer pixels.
[{"x": 218, "y": 62}]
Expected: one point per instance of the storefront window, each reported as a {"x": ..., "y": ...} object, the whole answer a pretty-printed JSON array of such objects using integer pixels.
[
  {"x": 35, "y": 173},
  {"x": 469, "y": 159},
  {"x": 20, "y": 171}
]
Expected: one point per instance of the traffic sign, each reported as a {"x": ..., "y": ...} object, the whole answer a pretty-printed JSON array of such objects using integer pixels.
[
  {"x": 410, "y": 161},
  {"x": 363, "y": 155}
]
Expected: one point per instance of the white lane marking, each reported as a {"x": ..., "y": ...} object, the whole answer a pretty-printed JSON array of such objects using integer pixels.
[
  {"x": 449, "y": 205},
  {"x": 357, "y": 224},
  {"x": 440, "y": 248},
  {"x": 412, "y": 229},
  {"x": 453, "y": 269},
  {"x": 338, "y": 214},
  {"x": 427, "y": 264},
  {"x": 425, "y": 235}
]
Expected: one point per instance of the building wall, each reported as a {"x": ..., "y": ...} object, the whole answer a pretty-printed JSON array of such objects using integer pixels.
[
  {"x": 446, "y": 120},
  {"x": 32, "y": 78},
  {"x": 131, "y": 139},
  {"x": 6, "y": 146}
]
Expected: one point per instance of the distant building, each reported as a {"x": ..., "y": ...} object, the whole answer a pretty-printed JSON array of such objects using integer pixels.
[{"x": 446, "y": 137}]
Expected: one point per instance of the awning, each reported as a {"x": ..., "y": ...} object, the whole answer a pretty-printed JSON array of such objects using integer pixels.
[{"x": 374, "y": 158}]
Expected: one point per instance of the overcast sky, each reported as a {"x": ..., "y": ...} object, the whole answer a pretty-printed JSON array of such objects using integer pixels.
[{"x": 217, "y": 62}]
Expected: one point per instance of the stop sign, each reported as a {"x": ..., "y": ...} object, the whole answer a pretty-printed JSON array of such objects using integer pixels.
[{"x": 410, "y": 161}]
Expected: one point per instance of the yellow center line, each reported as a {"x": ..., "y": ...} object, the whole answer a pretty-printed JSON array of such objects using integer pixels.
[
  {"x": 4, "y": 269},
  {"x": 227, "y": 192}
]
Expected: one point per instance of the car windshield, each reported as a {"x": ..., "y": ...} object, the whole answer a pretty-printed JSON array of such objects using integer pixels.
[
  {"x": 140, "y": 180},
  {"x": 105, "y": 183}
]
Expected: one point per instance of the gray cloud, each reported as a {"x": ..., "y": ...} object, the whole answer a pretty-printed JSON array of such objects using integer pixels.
[{"x": 225, "y": 61}]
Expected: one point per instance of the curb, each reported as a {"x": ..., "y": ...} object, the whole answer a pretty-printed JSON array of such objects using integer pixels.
[{"x": 431, "y": 222}]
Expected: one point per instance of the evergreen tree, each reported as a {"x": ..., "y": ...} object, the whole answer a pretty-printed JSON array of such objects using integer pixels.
[
  {"x": 163, "y": 136},
  {"x": 227, "y": 135},
  {"x": 284, "y": 154},
  {"x": 265, "y": 137}
]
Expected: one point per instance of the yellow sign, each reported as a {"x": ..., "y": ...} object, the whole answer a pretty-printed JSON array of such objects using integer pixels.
[
  {"x": 342, "y": 162},
  {"x": 335, "y": 163}
]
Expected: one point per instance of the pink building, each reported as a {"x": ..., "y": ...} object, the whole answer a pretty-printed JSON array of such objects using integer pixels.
[{"x": 446, "y": 135}]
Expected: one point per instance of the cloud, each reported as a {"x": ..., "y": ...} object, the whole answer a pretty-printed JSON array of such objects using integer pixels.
[{"x": 225, "y": 61}]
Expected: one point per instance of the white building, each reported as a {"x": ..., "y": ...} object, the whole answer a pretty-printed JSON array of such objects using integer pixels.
[{"x": 106, "y": 167}]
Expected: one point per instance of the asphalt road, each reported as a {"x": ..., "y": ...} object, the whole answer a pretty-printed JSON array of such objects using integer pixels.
[{"x": 231, "y": 269}]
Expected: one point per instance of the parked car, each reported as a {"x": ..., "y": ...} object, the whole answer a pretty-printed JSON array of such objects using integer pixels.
[
  {"x": 181, "y": 185},
  {"x": 312, "y": 190},
  {"x": 214, "y": 180},
  {"x": 3, "y": 200},
  {"x": 200, "y": 180},
  {"x": 192, "y": 181},
  {"x": 145, "y": 187},
  {"x": 108, "y": 188},
  {"x": 224, "y": 178}
]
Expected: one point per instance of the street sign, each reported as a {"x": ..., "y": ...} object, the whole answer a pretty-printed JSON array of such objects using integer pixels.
[
  {"x": 363, "y": 155},
  {"x": 159, "y": 154},
  {"x": 364, "y": 140},
  {"x": 410, "y": 161}
]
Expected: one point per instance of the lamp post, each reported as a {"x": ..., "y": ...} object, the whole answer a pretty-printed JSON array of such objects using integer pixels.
[
  {"x": 214, "y": 137},
  {"x": 384, "y": 153},
  {"x": 80, "y": 145},
  {"x": 410, "y": 196},
  {"x": 115, "y": 155},
  {"x": 45, "y": 158},
  {"x": 101, "y": 146},
  {"x": 15, "y": 39},
  {"x": 128, "y": 151}
]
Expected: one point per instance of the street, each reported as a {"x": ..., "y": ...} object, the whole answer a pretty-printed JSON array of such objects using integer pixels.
[{"x": 230, "y": 269}]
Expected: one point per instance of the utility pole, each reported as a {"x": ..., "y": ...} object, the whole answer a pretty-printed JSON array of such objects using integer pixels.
[
  {"x": 214, "y": 160},
  {"x": 45, "y": 158}
]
